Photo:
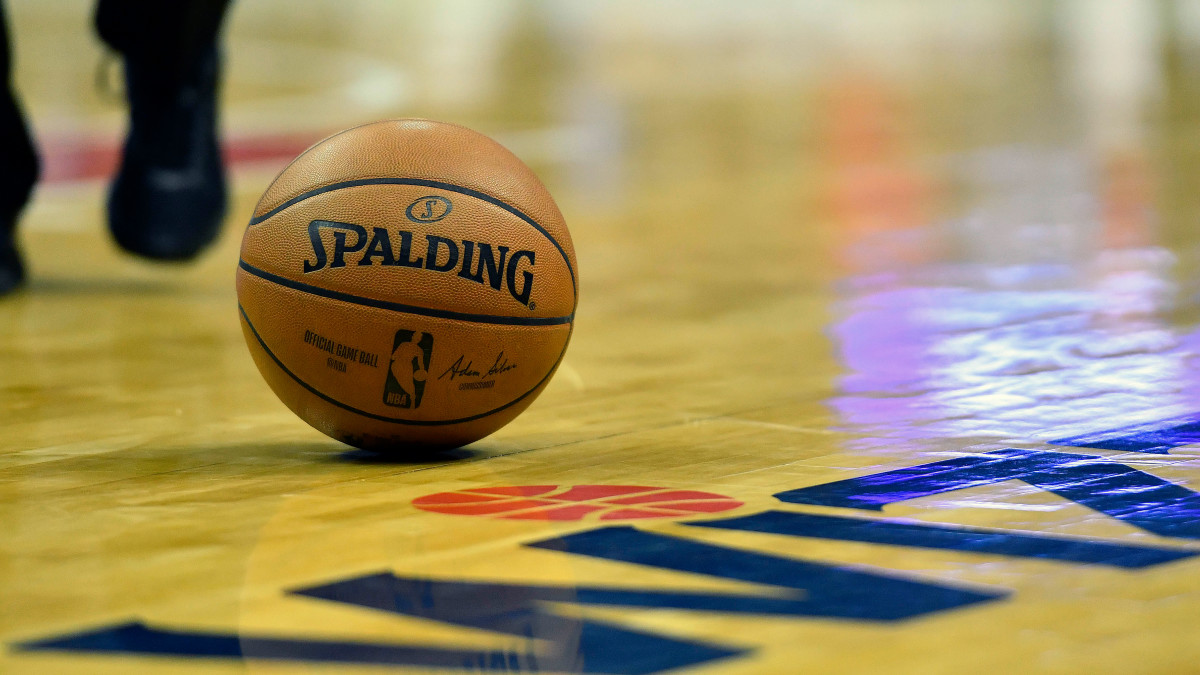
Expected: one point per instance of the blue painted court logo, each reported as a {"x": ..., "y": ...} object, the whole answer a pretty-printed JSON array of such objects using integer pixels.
[
  {"x": 798, "y": 588},
  {"x": 428, "y": 209}
]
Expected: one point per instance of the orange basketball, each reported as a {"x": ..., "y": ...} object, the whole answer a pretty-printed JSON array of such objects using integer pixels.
[{"x": 407, "y": 284}]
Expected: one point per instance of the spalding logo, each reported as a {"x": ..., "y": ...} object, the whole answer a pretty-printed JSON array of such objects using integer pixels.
[
  {"x": 480, "y": 262},
  {"x": 428, "y": 209}
]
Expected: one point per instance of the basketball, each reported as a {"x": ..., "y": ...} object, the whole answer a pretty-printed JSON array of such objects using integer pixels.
[{"x": 407, "y": 284}]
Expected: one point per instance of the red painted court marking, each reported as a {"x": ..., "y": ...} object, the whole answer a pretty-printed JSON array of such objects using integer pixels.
[
  {"x": 585, "y": 493},
  {"x": 712, "y": 506},
  {"x": 673, "y": 495},
  {"x": 453, "y": 498},
  {"x": 576, "y": 502},
  {"x": 486, "y": 508},
  {"x": 573, "y": 512},
  {"x": 520, "y": 490},
  {"x": 635, "y": 514},
  {"x": 67, "y": 159}
]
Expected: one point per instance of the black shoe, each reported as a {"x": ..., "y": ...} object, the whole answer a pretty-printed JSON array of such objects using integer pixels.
[
  {"x": 12, "y": 271},
  {"x": 169, "y": 197},
  {"x": 20, "y": 169}
]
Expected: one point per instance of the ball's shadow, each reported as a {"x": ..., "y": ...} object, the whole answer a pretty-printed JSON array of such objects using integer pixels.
[{"x": 411, "y": 457}]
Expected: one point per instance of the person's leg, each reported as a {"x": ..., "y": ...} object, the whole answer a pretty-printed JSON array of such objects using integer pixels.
[
  {"x": 168, "y": 198},
  {"x": 18, "y": 165}
]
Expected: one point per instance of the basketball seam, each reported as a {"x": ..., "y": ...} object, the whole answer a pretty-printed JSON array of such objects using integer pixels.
[
  {"x": 397, "y": 120},
  {"x": 400, "y": 307},
  {"x": 396, "y": 420},
  {"x": 424, "y": 182},
  {"x": 297, "y": 158}
]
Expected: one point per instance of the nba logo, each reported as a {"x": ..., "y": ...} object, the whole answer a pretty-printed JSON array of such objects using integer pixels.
[{"x": 409, "y": 367}]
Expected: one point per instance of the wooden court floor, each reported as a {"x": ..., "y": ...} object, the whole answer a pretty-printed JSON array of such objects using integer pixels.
[{"x": 885, "y": 357}]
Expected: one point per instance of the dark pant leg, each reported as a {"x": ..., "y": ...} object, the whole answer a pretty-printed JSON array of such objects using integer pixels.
[
  {"x": 165, "y": 36},
  {"x": 169, "y": 196},
  {"x": 18, "y": 160}
]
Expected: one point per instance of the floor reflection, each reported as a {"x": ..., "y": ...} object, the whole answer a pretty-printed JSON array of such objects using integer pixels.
[{"x": 1051, "y": 322}]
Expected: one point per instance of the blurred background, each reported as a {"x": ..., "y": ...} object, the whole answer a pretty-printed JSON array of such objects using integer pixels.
[
  {"x": 988, "y": 188},
  {"x": 610, "y": 94}
]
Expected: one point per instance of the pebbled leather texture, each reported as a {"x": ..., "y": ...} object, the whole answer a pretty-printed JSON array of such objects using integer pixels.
[{"x": 353, "y": 311}]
